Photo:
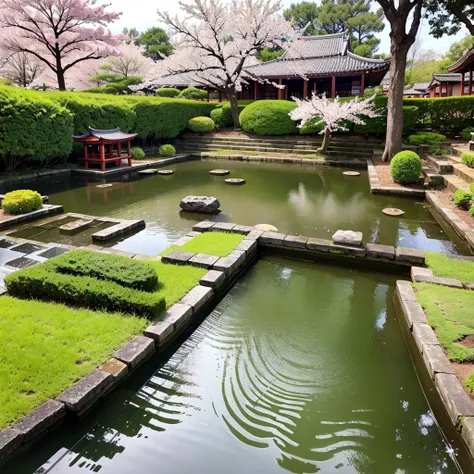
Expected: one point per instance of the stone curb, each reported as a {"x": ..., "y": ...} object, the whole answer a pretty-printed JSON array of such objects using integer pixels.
[
  {"x": 34, "y": 176},
  {"x": 135, "y": 351},
  {"x": 47, "y": 210}
]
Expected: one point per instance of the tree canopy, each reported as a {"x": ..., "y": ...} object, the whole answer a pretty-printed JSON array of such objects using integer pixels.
[{"x": 447, "y": 17}]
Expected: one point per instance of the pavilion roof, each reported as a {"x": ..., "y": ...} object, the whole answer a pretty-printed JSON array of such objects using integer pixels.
[
  {"x": 462, "y": 64},
  {"x": 450, "y": 78},
  {"x": 114, "y": 134}
]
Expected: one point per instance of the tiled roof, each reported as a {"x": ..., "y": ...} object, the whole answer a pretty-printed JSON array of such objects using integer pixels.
[
  {"x": 421, "y": 86},
  {"x": 413, "y": 91},
  {"x": 113, "y": 134},
  {"x": 466, "y": 59},
  {"x": 318, "y": 46},
  {"x": 176, "y": 80},
  {"x": 446, "y": 78}
]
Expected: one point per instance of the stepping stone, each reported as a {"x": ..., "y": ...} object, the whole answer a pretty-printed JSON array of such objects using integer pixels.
[
  {"x": 75, "y": 227},
  {"x": 102, "y": 186},
  {"x": 266, "y": 227},
  {"x": 391, "y": 211},
  {"x": 28, "y": 248},
  {"x": 219, "y": 172},
  {"x": 351, "y": 173},
  {"x": 165, "y": 172},
  {"x": 148, "y": 171},
  {"x": 22, "y": 262},
  {"x": 235, "y": 181}
]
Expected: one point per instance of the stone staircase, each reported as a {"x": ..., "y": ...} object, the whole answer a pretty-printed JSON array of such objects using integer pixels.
[{"x": 340, "y": 147}]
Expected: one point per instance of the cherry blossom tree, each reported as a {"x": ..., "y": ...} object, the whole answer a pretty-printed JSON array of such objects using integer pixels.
[
  {"x": 216, "y": 41},
  {"x": 60, "y": 33},
  {"x": 332, "y": 114}
]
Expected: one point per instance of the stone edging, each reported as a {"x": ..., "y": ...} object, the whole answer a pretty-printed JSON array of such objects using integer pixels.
[
  {"x": 377, "y": 188},
  {"x": 458, "y": 225},
  {"x": 46, "y": 210},
  {"x": 457, "y": 403},
  {"x": 32, "y": 176}
]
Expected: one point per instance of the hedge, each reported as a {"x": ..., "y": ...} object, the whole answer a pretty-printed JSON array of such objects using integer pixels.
[
  {"x": 21, "y": 202},
  {"x": 222, "y": 115},
  {"x": 102, "y": 266},
  {"x": 269, "y": 117},
  {"x": 193, "y": 93},
  {"x": 426, "y": 138},
  {"x": 167, "y": 92}
]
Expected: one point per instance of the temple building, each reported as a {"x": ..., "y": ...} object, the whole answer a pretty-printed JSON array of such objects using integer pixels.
[{"x": 465, "y": 67}]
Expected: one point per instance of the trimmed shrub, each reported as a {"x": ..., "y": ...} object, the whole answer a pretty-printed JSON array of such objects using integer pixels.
[
  {"x": 426, "y": 138},
  {"x": 137, "y": 153},
  {"x": 462, "y": 199},
  {"x": 438, "y": 151},
  {"x": 21, "y": 202},
  {"x": 193, "y": 93},
  {"x": 102, "y": 266},
  {"x": 269, "y": 117},
  {"x": 405, "y": 167},
  {"x": 467, "y": 159},
  {"x": 167, "y": 92},
  {"x": 201, "y": 124},
  {"x": 466, "y": 133},
  {"x": 167, "y": 150},
  {"x": 222, "y": 116},
  {"x": 471, "y": 210}
]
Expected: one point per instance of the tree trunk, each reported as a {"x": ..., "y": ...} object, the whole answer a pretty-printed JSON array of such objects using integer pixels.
[
  {"x": 323, "y": 150},
  {"x": 61, "y": 80},
  {"x": 234, "y": 108}
]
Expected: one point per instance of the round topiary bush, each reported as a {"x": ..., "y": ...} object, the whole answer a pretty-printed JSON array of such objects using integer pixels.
[
  {"x": 167, "y": 150},
  {"x": 405, "y": 167},
  {"x": 167, "y": 92},
  {"x": 201, "y": 124},
  {"x": 269, "y": 117},
  {"x": 21, "y": 202},
  {"x": 137, "y": 153},
  {"x": 193, "y": 93}
]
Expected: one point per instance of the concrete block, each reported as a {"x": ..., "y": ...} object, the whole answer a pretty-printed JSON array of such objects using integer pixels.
[
  {"x": 197, "y": 297},
  {"x": 413, "y": 313},
  {"x": 203, "y": 226},
  {"x": 436, "y": 360},
  {"x": 116, "y": 368},
  {"x": 10, "y": 441},
  {"x": 254, "y": 234},
  {"x": 405, "y": 291},
  {"x": 160, "y": 331},
  {"x": 177, "y": 257},
  {"x": 242, "y": 229},
  {"x": 202, "y": 260},
  {"x": 413, "y": 256},
  {"x": 420, "y": 272},
  {"x": 347, "y": 250},
  {"x": 424, "y": 334},
  {"x": 272, "y": 238},
  {"x": 222, "y": 227},
  {"x": 247, "y": 246},
  {"x": 450, "y": 282},
  {"x": 239, "y": 255},
  {"x": 295, "y": 241},
  {"x": 135, "y": 351},
  {"x": 455, "y": 399},
  {"x": 183, "y": 240},
  {"x": 467, "y": 433},
  {"x": 178, "y": 314},
  {"x": 213, "y": 279},
  {"x": 380, "y": 251},
  {"x": 318, "y": 244},
  {"x": 227, "y": 265}
]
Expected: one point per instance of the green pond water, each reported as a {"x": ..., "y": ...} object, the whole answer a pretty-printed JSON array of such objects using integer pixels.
[
  {"x": 313, "y": 201},
  {"x": 301, "y": 368}
]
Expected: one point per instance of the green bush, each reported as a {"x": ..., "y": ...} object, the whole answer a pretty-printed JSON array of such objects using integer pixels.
[
  {"x": 405, "y": 167},
  {"x": 471, "y": 210},
  {"x": 193, "y": 93},
  {"x": 167, "y": 92},
  {"x": 137, "y": 153},
  {"x": 201, "y": 124},
  {"x": 466, "y": 133},
  {"x": 467, "y": 159},
  {"x": 426, "y": 138},
  {"x": 121, "y": 270},
  {"x": 472, "y": 188},
  {"x": 269, "y": 117},
  {"x": 21, "y": 202},
  {"x": 167, "y": 150},
  {"x": 438, "y": 151},
  {"x": 222, "y": 116},
  {"x": 462, "y": 199}
]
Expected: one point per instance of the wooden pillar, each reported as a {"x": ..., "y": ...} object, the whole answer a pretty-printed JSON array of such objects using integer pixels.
[
  {"x": 470, "y": 81},
  {"x": 111, "y": 150},
  {"x": 333, "y": 87},
  {"x": 129, "y": 153},
  {"x": 362, "y": 84},
  {"x": 102, "y": 156},
  {"x": 462, "y": 83},
  {"x": 208, "y": 94},
  {"x": 280, "y": 91},
  {"x": 255, "y": 90},
  {"x": 119, "y": 149},
  {"x": 86, "y": 156},
  {"x": 305, "y": 88}
]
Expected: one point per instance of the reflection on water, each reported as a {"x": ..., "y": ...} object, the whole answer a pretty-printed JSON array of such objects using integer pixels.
[
  {"x": 301, "y": 368},
  {"x": 314, "y": 201}
]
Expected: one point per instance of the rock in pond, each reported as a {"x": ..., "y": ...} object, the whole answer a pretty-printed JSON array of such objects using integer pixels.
[
  {"x": 165, "y": 172},
  {"x": 351, "y": 173},
  {"x": 266, "y": 227},
  {"x": 347, "y": 237},
  {"x": 207, "y": 204},
  {"x": 219, "y": 172},
  {"x": 392, "y": 211},
  {"x": 235, "y": 181}
]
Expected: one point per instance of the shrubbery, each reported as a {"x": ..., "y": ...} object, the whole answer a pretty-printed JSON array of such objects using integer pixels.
[
  {"x": 167, "y": 92},
  {"x": 137, "y": 153},
  {"x": 466, "y": 133},
  {"x": 405, "y": 167},
  {"x": 426, "y": 138},
  {"x": 21, "y": 202},
  {"x": 438, "y": 151},
  {"x": 462, "y": 199},
  {"x": 222, "y": 116},
  {"x": 269, "y": 117},
  {"x": 467, "y": 159},
  {"x": 167, "y": 150},
  {"x": 201, "y": 124},
  {"x": 193, "y": 93},
  {"x": 471, "y": 210}
]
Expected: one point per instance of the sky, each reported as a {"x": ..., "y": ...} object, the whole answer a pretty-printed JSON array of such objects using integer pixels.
[{"x": 141, "y": 14}]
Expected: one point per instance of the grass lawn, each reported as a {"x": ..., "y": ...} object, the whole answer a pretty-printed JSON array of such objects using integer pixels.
[
  {"x": 451, "y": 312},
  {"x": 445, "y": 267},
  {"x": 46, "y": 347},
  {"x": 219, "y": 244}
]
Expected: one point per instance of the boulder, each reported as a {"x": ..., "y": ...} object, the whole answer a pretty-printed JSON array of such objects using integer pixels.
[
  {"x": 207, "y": 204},
  {"x": 347, "y": 237}
]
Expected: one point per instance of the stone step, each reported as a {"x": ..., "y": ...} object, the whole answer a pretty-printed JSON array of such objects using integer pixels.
[
  {"x": 453, "y": 183},
  {"x": 75, "y": 227},
  {"x": 443, "y": 166},
  {"x": 464, "y": 172}
]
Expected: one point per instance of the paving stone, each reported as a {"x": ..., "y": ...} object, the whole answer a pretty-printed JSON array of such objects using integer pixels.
[
  {"x": 28, "y": 248},
  {"x": 295, "y": 241},
  {"x": 41, "y": 419},
  {"x": 202, "y": 260},
  {"x": 116, "y": 368},
  {"x": 22, "y": 262},
  {"x": 436, "y": 360},
  {"x": 135, "y": 351},
  {"x": 178, "y": 314},
  {"x": 455, "y": 399},
  {"x": 223, "y": 227},
  {"x": 213, "y": 278},
  {"x": 413, "y": 312},
  {"x": 84, "y": 393},
  {"x": 451, "y": 282},
  {"x": 177, "y": 257},
  {"x": 405, "y": 291},
  {"x": 467, "y": 433},
  {"x": 53, "y": 252},
  {"x": 272, "y": 238},
  {"x": 254, "y": 235},
  {"x": 318, "y": 244},
  {"x": 380, "y": 251},
  {"x": 420, "y": 272},
  {"x": 242, "y": 229},
  {"x": 160, "y": 331},
  {"x": 247, "y": 246},
  {"x": 227, "y": 265},
  {"x": 10, "y": 440},
  {"x": 197, "y": 297},
  {"x": 348, "y": 237},
  {"x": 404, "y": 254},
  {"x": 347, "y": 250},
  {"x": 203, "y": 226},
  {"x": 183, "y": 240},
  {"x": 424, "y": 334},
  {"x": 74, "y": 227}
]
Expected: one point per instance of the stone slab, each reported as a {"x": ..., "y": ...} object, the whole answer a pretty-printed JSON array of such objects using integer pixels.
[
  {"x": 84, "y": 393},
  {"x": 347, "y": 250},
  {"x": 436, "y": 360},
  {"x": 202, "y": 260},
  {"x": 42, "y": 418},
  {"x": 183, "y": 240},
  {"x": 467, "y": 433},
  {"x": 254, "y": 234},
  {"x": 318, "y": 244},
  {"x": 414, "y": 256},
  {"x": 178, "y": 314},
  {"x": 450, "y": 282},
  {"x": 135, "y": 351},
  {"x": 272, "y": 238},
  {"x": 198, "y": 297},
  {"x": 239, "y": 255},
  {"x": 242, "y": 229},
  {"x": 193, "y": 233},
  {"x": 295, "y": 241},
  {"x": 206, "y": 204},
  {"x": 380, "y": 251},
  {"x": 116, "y": 368},
  {"x": 10, "y": 440},
  {"x": 213, "y": 279},
  {"x": 226, "y": 264},
  {"x": 424, "y": 334},
  {"x": 223, "y": 227},
  {"x": 75, "y": 227},
  {"x": 348, "y": 237},
  {"x": 413, "y": 312},
  {"x": 160, "y": 331},
  {"x": 203, "y": 226},
  {"x": 178, "y": 257},
  {"x": 247, "y": 246},
  {"x": 405, "y": 291},
  {"x": 420, "y": 272},
  {"x": 455, "y": 399}
]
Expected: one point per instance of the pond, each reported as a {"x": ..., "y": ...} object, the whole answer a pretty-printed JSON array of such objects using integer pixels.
[
  {"x": 313, "y": 201},
  {"x": 301, "y": 368}
]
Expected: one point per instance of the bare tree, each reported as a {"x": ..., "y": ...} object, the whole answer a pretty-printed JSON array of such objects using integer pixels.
[{"x": 21, "y": 69}]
